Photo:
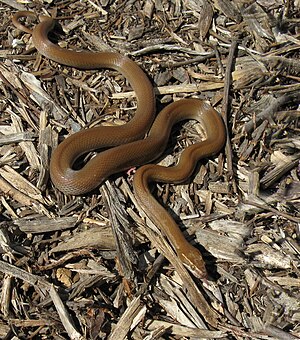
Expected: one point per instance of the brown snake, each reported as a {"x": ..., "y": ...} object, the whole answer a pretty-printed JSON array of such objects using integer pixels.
[{"x": 127, "y": 145}]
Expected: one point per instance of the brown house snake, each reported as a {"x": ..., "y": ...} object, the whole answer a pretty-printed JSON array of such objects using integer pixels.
[{"x": 128, "y": 145}]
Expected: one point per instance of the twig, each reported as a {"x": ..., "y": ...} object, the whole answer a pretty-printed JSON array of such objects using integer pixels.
[
  {"x": 265, "y": 206},
  {"x": 226, "y": 109}
]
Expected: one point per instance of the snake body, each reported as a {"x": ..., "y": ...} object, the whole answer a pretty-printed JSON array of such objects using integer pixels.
[{"x": 126, "y": 144}]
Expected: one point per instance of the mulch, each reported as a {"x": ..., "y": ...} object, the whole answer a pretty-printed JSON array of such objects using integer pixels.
[{"x": 88, "y": 267}]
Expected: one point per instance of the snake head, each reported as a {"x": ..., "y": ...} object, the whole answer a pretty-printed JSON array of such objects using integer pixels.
[{"x": 193, "y": 261}]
